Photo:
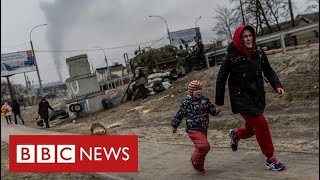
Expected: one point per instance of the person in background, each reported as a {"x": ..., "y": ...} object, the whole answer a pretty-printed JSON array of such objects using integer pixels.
[
  {"x": 244, "y": 68},
  {"x": 182, "y": 60},
  {"x": 43, "y": 111},
  {"x": 199, "y": 52},
  {"x": 6, "y": 112},
  {"x": 16, "y": 111},
  {"x": 140, "y": 81}
]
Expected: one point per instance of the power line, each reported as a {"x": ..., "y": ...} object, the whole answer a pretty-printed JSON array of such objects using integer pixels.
[
  {"x": 161, "y": 43},
  {"x": 132, "y": 45},
  {"x": 156, "y": 46},
  {"x": 118, "y": 47},
  {"x": 159, "y": 40}
]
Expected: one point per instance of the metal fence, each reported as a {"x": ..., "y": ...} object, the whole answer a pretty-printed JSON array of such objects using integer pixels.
[{"x": 212, "y": 56}]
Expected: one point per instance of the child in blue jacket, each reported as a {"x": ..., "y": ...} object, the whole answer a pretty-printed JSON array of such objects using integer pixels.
[{"x": 196, "y": 109}]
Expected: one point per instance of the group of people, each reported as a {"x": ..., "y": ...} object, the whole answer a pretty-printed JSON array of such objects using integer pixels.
[
  {"x": 6, "y": 111},
  {"x": 191, "y": 57},
  {"x": 14, "y": 107},
  {"x": 244, "y": 67}
]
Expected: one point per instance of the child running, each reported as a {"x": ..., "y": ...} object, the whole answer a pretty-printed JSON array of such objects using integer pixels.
[{"x": 196, "y": 108}]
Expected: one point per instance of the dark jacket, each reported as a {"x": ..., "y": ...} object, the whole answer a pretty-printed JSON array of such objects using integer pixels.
[
  {"x": 245, "y": 80},
  {"x": 44, "y": 108},
  {"x": 15, "y": 107},
  {"x": 140, "y": 77},
  {"x": 199, "y": 49},
  {"x": 196, "y": 112}
]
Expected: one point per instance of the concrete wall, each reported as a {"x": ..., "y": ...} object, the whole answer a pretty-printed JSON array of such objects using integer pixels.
[
  {"x": 82, "y": 85},
  {"x": 90, "y": 104},
  {"x": 78, "y": 65}
]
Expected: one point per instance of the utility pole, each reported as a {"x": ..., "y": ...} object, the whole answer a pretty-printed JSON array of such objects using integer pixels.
[
  {"x": 166, "y": 25},
  {"x": 35, "y": 61},
  {"x": 25, "y": 78},
  {"x": 195, "y": 24},
  {"x": 105, "y": 59},
  {"x": 10, "y": 89}
]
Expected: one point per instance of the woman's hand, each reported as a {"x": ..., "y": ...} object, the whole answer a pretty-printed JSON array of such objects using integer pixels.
[
  {"x": 281, "y": 92},
  {"x": 218, "y": 109}
]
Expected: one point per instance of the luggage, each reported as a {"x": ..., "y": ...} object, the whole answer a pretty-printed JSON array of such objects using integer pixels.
[{"x": 40, "y": 121}]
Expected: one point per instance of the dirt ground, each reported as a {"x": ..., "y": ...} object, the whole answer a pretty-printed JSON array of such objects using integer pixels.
[{"x": 293, "y": 119}]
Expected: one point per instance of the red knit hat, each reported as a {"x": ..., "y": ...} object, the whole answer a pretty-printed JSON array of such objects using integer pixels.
[{"x": 193, "y": 85}]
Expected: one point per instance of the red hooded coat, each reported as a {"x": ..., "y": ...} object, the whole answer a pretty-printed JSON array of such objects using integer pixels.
[{"x": 237, "y": 40}]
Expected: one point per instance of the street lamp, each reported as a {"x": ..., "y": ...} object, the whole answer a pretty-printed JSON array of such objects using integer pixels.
[
  {"x": 35, "y": 61},
  {"x": 166, "y": 25},
  {"x": 197, "y": 21},
  {"x": 105, "y": 58}
]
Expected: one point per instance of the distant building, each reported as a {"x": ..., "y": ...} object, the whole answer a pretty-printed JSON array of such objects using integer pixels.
[
  {"x": 52, "y": 89},
  {"x": 307, "y": 37},
  {"x": 300, "y": 20},
  {"x": 117, "y": 71}
]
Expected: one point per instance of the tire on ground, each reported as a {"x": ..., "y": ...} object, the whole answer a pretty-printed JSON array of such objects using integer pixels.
[
  {"x": 77, "y": 107},
  {"x": 158, "y": 87},
  {"x": 71, "y": 108},
  {"x": 174, "y": 75}
]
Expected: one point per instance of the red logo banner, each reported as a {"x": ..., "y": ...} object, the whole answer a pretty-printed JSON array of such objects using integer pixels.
[{"x": 73, "y": 153}]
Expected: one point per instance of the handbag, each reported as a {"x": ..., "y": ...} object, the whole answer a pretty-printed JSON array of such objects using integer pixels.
[{"x": 40, "y": 121}]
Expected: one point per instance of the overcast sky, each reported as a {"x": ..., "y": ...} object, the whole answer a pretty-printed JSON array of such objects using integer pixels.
[{"x": 84, "y": 24}]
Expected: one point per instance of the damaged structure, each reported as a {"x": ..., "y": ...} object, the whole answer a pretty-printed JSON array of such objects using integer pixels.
[{"x": 83, "y": 88}]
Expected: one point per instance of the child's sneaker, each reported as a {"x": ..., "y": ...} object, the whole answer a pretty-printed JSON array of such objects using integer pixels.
[
  {"x": 273, "y": 164},
  {"x": 234, "y": 139},
  {"x": 196, "y": 168}
]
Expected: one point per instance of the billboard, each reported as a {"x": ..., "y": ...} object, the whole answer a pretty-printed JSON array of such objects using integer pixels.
[
  {"x": 185, "y": 36},
  {"x": 18, "y": 62}
]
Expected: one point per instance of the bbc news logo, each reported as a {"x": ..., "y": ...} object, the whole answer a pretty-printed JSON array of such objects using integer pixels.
[{"x": 73, "y": 153}]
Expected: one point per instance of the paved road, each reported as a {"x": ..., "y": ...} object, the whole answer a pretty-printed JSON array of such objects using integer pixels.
[{"x": 168, "y": 161}]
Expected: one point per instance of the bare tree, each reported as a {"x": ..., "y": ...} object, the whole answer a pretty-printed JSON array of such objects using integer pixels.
[
  {"x": 249, "y": 11},
  {"x": 293, "y": 24},
  {"x": 17, "y": 89},
  {"x": 312, "y": 6},
  {"x": 278, "y": 11},
  {"x": 242, "y": 13},
  {"x": 262, "y": 14},
  {"x": 227, "y": 22}
]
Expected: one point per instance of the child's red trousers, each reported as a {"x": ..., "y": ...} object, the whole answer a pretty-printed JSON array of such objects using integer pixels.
[{"x": 202, "y": 147}]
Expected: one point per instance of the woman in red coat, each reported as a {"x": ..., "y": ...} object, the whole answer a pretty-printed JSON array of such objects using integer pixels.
[{"x": 244, "y": 68}]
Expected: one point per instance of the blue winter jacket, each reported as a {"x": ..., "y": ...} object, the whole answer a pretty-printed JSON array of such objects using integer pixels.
[{"x": 196, "y": 112}]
